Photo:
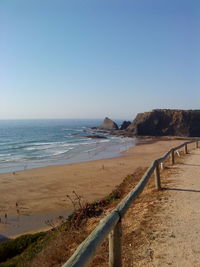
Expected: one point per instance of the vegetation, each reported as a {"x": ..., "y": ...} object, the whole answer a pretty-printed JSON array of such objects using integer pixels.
[{"x": 9, "y": 249}]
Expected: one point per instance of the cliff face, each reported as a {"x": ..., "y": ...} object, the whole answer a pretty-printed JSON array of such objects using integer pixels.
[
  {"x": 125, "y": 125},
  {"x": 163, "y": 122}
]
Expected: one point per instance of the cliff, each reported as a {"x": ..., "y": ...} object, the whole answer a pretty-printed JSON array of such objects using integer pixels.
[
  {"x": 125, "y": 125},
  {"x": 167, "y": 122}
]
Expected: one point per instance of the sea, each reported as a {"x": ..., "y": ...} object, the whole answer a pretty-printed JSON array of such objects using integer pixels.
[{"x": 27, "y": 144}]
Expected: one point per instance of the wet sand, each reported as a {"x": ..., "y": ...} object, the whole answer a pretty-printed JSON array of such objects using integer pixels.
[{"x": 40, "y": 194}]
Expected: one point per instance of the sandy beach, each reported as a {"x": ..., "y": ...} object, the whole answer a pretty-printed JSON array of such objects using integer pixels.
[{"x": 40, "y": 194}]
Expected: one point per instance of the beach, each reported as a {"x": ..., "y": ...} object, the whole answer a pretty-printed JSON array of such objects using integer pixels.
[{"x": 40, "y": 194}]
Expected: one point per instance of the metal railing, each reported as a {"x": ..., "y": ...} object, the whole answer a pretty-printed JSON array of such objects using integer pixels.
[{"x": 111, "y": 224}]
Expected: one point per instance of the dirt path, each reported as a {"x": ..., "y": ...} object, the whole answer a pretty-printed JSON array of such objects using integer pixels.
[{"x": 176, "y": 240}]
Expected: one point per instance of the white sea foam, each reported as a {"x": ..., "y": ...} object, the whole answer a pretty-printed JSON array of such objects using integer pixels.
[
  {"x": 61, "y": 152},
  {"x": 30, "y": 148},
  {"x": 104, "y": 141},
  {"x": 5, "y": 155}
]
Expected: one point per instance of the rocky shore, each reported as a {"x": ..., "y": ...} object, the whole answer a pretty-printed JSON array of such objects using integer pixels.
[{"x": 158, "y": 122}]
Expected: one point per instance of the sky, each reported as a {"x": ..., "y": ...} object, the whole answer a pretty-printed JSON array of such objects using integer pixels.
[{"x": 97, "y": 58}]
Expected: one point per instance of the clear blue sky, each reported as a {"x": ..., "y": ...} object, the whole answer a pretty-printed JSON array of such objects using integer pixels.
[{"x": 97, "y": 58}]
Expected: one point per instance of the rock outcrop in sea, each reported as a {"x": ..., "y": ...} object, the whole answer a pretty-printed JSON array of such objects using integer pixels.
[
  {"x": 124, "y": 125},
  {"x": 108, "y": 124},
  {"x": 166, "y": 122}
]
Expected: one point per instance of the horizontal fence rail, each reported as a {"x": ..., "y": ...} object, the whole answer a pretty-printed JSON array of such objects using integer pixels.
[{"x": 110, "y": 226}]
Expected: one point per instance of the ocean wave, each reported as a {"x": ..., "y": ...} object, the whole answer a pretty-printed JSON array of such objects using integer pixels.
[
  {"x": 79, "y": 130},
  {"x": 104, "y": 141},
  {"x": 4, "y": 160},
  {"x": 5, "y": 155},
  {"x": 90, "y": 150},
  {"x": 12, "y": 158},
  {"x": 39, "y": 157},
  {"x": 43, "y": 146},
  {"x": 30, "y": 148},
  {"x": 61, "y": 152},
  {"x": 67, "y": 129}
]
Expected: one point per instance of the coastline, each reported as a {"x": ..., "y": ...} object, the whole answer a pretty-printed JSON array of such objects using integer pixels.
[
  {"x": 105, "y": 148},
  {"x": 39, "y": 143},
  {"x": 41, "y": 193}
]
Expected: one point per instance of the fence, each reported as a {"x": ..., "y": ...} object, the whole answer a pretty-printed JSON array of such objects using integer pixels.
[{"x": 111, "y": 224}]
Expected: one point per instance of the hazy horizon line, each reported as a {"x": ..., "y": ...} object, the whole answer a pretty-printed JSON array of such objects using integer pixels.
[{"x": 15, "y": 119}]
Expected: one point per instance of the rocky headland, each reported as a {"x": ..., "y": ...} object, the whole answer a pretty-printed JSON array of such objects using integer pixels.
[
  {"x": 158, "y": 122},
  {"x": 167, "y": 122}
]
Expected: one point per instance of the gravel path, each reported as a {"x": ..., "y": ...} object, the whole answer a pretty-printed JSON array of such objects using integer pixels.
[{"x": 178, "y": 236}]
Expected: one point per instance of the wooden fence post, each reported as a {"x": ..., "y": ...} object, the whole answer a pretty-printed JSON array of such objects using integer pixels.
[
  {"x": 115, "y": 246},
  {"x": 186, "y": 150},
  {"x": 197, "y": 144},
  {"x": 157, "y": 176},
  {"x": 172, "y": 155}
]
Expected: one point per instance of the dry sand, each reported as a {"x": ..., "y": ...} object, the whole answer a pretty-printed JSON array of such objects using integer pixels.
[{"x": 43, "y": 191}]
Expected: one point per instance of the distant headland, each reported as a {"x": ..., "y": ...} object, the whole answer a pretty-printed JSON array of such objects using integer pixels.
[{"x": 158, "y": 122}]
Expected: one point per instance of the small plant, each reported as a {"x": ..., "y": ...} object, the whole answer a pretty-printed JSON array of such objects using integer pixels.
[
  {"x": 82, "y": 211},
  {"x": 75, "y": 200}
]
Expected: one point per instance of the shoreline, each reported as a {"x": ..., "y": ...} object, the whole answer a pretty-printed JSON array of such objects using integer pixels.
[
  {"x": 105, "y": 148},
  {"x": 42, "y": 191}
]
